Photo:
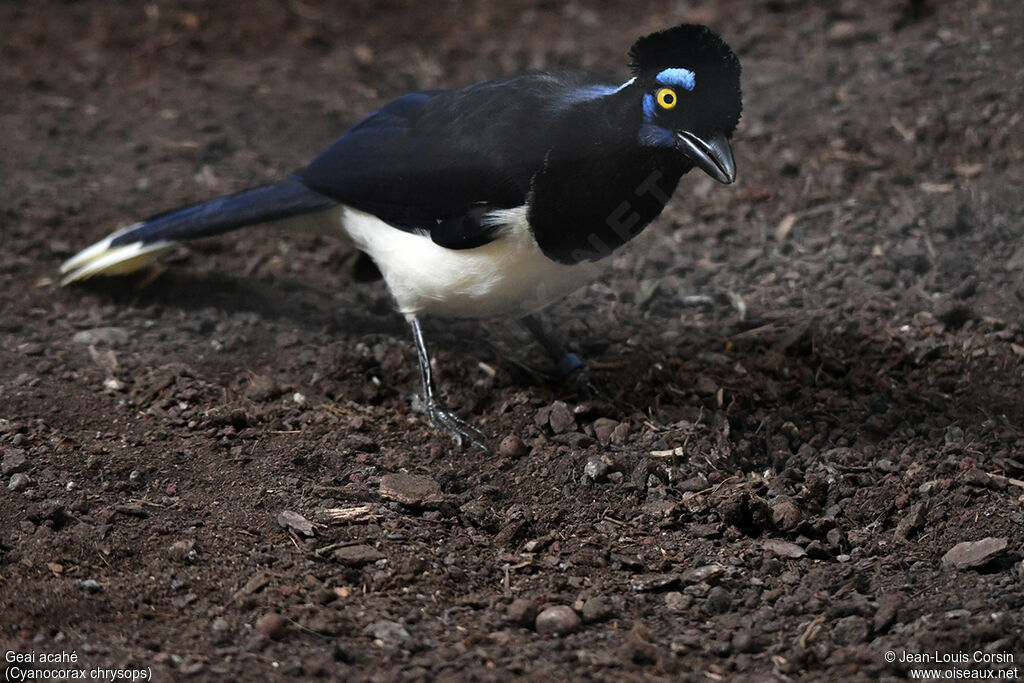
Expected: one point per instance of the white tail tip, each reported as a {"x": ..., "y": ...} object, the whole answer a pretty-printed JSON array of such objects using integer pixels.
[{"x": 103, "y": 259}]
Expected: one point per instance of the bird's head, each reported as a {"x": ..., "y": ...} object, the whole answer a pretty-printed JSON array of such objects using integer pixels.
[{"x": 690, "y": 84}]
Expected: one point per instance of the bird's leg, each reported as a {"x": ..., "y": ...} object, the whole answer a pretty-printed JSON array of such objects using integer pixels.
[
  {"x": 566, "y": 363},
  {"x": 440, "y": 418},
  {"x": 569, "y": 369}
]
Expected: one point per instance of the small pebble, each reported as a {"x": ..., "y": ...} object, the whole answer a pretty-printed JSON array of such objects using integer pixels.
[
  {"x": 512, "y": 447},
  {"x": 90, "y": 585},
  {"x": 388, "y": 632},
  {"x": 678, "y": 602},
  {"x": 182, "y": 551},
  {"x": 557, "y": 620},
  {"x": 719, "y": 600},
  {"x": 561, "y": 418},
  {"x": 19, "y": 481},
  {"x": 262, "y": 388},
  {"x": 272, "y": 625},
  {"x": 598, "y": 467}
]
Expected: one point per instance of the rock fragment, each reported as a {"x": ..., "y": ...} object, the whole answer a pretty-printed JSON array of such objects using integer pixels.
[
  {"x": 604, "y": 427},
  {"x": 704, "y": 574},
  {"x": 387, "y": 632},
  {"x": 971, "y": 554},
  {"x": 597, "y": 609},
  {"x": 719, "y": 600},
  {"x": 293, "y": 520},
  {"x": 912, "y": 521},
  {"x": 357, "y": 555},
  {"x": 598, "y": 467},
  {"x": 561, "y": 418},
  {"x": 522, "y": 612},
  {"x": 784, "y": 548},
  {"x": 414, "y": 490},
  {"x": 14, "y": 461},
  {"x": 786, "y": 514},
  {"x": 18, "y": 482},
  {"x": 110, "y": 336}
]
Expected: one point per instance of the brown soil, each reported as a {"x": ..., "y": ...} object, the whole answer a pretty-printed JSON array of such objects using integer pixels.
[{"x": 815, "y": 373}]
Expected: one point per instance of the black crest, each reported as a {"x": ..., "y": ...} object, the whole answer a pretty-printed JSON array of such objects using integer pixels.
[
  {"x": 690, "y": 46},
  {"x": 699, "y": 49}
]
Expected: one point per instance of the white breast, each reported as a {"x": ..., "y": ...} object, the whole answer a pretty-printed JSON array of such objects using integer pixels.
[{"x": 509, "y": 276}]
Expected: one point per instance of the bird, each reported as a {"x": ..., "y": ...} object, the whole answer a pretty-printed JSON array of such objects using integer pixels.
[{"x": 493, "y": 200}]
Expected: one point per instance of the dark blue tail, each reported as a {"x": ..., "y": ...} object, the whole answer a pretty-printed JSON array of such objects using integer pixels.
[{"x": 284, "y": 199}]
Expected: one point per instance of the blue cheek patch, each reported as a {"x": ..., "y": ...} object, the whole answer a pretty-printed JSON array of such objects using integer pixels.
[
  {"x": 682, "y": 78},
  {"x": 651, "y": 134}
]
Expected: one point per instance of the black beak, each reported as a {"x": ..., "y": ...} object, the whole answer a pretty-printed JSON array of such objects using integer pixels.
[{"x": 712, "y": 155}]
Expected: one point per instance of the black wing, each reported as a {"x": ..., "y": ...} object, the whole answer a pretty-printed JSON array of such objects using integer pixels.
[{"x": 438, "y": 161}]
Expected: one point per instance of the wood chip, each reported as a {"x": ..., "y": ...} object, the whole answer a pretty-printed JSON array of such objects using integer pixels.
[
  {"x": 968, "y": 170},
  {"x": 349, "y": 514},
  {"x": 784, "y": 227}
]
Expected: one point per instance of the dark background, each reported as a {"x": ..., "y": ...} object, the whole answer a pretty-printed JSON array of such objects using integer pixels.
[{"x": 815, "y": 372}]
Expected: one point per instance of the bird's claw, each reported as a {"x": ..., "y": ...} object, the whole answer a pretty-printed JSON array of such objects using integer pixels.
[
  {"x": 581, "y": 383},
  {"x": 454, "y": 426}
]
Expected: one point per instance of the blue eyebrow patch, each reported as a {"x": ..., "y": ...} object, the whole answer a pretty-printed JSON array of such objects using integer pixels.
[{"x": 684, "y": 78}]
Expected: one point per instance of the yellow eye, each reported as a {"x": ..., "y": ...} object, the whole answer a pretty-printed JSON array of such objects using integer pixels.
[{"x": 666, "y": 98}]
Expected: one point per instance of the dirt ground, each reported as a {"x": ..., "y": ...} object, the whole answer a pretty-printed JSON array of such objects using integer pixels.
[{"x": 214, "y": 470}]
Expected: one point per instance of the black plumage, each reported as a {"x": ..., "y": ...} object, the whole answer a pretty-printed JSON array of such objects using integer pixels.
[{"x": 496, "y": 199}]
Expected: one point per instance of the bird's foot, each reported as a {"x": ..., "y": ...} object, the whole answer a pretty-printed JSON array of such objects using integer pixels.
[
  {"x": 460, "y": 431},
  {"x": 571, "y": 373},
  {"x": 582, "y": 384}
]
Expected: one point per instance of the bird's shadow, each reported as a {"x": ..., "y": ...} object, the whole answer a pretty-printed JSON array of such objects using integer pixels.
[
  {"x": 875, "y": 381},
  {"x": 283, "y": 299}
]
